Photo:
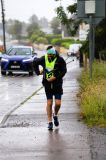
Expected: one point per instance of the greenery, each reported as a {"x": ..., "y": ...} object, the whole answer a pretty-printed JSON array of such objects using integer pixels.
[
  {"x": 50, "y": 37},
  {"x": 55, "y": 25},
  {"x": 100, "y": 42},
  {"x": 42, "y": 40},
  {"x": 93, "y": 95},
  {"x": 32, "y": 30},
  {"x": 103, "y": 54},
  {"x": 64, "y": 42},
  {"x": 100, "y": 37},
  {"x": 36, "y": 34},
  {"x": 73, "y": 24},
  {"x": 15, "y": 29},
  {"x": 34, "y": 27}
]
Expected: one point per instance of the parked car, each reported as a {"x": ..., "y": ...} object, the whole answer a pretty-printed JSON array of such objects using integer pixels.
[
  {"x": 0, "y": 55},
  {"x": 18, "y": 59},
  {"x": 74, "y": 50}
]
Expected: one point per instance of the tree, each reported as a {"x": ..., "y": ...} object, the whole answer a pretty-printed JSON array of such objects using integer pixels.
[
  {"x": 100, "y": 37},
  {"x": 33, "y": 25},
  {"x": 55, "y": 25},
  {"x": 34, "y": 19},
  {"x": 71, "y": 23},
  {"x": 36, "y": 35},
  {"x": 32, "y": 28},
  {"x": 43, "y": 22},
  {"x": 15, "y": 29}
]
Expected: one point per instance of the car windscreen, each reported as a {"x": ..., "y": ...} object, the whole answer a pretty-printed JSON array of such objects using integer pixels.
[{"x": 19, "y": 51}]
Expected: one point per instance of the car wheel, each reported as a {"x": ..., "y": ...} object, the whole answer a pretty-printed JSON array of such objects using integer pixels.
[
  {"x": 3, "y": 73},
  {"x": 31, "y": 73},
  {"x": 10, "y": 73}
]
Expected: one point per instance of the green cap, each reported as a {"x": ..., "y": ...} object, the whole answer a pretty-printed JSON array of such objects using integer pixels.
[{"x": 51, "y": 51}]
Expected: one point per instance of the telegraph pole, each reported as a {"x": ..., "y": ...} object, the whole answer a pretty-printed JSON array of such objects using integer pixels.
[{"x": 3, "y": 23}]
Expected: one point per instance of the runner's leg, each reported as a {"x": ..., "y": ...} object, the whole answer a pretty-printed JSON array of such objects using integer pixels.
[
  {"x": 57, "y": 104},
  {"x": 49, "y": 109}
]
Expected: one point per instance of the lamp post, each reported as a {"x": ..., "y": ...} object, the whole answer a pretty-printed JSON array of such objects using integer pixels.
[
  {"x": 3, "y": 23},
  {"x": 90, "y": 11}
]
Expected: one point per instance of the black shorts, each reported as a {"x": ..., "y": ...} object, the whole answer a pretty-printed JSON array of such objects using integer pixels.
[{"x": 57, "y": 96}]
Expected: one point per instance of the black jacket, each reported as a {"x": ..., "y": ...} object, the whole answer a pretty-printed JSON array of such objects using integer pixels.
[{"x": 59, "y": 71}]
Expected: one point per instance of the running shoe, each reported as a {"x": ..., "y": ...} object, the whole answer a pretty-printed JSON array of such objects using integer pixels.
[
  {"x": 50, "y": 126},
  {"x": 56, "y": 121}
]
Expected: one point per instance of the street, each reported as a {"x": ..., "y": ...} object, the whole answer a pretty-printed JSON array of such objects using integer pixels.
[
  {"x": 23, "y": 121},
  {"x": 15, "y": 89}
]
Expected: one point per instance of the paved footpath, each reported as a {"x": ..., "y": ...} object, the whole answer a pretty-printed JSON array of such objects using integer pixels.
[{"x": 25, "y": 134}]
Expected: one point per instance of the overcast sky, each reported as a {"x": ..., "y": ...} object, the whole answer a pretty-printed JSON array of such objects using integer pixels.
[{"x": 23, "y": 9}]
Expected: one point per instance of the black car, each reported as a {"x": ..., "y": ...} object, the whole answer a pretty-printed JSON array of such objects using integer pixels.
[{"x": 18, "y": 59}]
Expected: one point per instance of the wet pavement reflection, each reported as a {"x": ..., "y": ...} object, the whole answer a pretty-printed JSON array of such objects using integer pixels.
[{"x": 24, "y": 134}]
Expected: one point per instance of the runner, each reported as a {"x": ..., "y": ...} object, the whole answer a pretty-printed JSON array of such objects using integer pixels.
[{"x": 54, "y": 69}]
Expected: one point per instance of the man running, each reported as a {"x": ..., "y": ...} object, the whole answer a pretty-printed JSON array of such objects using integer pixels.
[{"x": 54, "y": 69}]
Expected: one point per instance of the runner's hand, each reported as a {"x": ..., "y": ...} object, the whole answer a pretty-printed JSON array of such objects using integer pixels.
[
  {"x": 51, "y": 79},
  {"x": 41, "y": 72}
]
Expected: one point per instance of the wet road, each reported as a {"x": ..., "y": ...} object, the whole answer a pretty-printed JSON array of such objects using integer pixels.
[
  {"x": 15, "y": 89},
  {"x": 24, "y": 134}
]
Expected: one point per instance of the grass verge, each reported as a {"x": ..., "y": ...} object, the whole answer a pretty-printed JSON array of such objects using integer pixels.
[{"x": 93, "y": 95}]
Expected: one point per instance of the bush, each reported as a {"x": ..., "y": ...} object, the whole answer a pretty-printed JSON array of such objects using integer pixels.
[
  {"x": 85, "y": 47},
  {"x": 64, "y": 42},
  {"x": 51, "y": 37},
  {"x": 42, "y": 40},
  {"x": 93, "y": 95},
  {"x": 102, "y": 54},
  {"x": 34, "y": 38}
]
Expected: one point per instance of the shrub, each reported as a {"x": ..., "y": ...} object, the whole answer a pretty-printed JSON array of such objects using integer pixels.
[
  {"x": 42, "y": 40},
  {"x": 33, "y": 38},
  {"x": 102, "y": 54},
  {"x": 93, "y": 95},
  {"x": 64, "y": 42},
  {"x": 51, "y": 37}
]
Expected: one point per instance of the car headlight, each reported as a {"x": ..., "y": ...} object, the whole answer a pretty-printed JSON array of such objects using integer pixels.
[
  {"x": 27, "y": 60},
  {"x": 4, "y": 60}
]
